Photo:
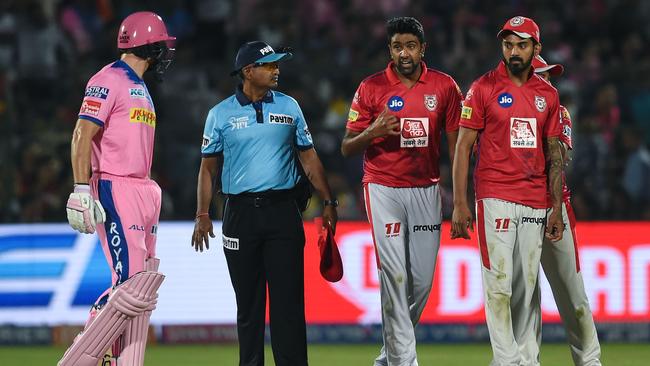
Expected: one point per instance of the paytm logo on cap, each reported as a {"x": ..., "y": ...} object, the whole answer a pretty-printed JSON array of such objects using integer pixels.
[{"x": 266, "y": 50}]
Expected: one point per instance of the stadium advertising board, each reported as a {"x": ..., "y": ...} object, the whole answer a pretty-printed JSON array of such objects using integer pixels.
[{"x": 50, "y": 275}]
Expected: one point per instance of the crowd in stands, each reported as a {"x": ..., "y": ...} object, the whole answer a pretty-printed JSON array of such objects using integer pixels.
[{"x": 50, "y": 48}]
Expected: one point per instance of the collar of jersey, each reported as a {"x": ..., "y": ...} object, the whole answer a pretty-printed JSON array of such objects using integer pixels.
[
  {"x": 501, "y": 69},
  {"x": 119, "y": 64},
  {"x": 243, "y": 99},
  {"x": 392, "y": 76}
]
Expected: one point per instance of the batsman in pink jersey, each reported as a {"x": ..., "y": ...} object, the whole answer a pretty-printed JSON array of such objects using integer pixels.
[{"x": 112, "y": 150}]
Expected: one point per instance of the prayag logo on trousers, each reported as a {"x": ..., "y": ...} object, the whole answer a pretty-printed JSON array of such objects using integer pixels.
[
  {"x": 430, "y": 228},
  {"x": 533, "y": 220}
]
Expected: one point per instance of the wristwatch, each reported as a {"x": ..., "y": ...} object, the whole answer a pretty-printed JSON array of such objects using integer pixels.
[{"x": 333, "y": 203}]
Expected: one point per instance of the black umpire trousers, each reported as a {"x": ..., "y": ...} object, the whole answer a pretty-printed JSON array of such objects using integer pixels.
[{"x": 264, "y": 245}]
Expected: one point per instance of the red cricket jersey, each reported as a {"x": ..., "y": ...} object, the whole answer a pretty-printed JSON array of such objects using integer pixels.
[
  {"x": 512, "y": 122},
  {"x": 412, "y": 158}
]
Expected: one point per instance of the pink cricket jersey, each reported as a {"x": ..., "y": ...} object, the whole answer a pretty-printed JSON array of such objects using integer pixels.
[{"x": 117, "y": 99}]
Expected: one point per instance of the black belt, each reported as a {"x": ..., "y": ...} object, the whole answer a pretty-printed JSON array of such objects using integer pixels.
[{"x": 262, "y": 199}]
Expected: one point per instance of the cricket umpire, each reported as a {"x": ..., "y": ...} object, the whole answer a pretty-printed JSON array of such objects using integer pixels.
[{"x": 253, "y": 140}]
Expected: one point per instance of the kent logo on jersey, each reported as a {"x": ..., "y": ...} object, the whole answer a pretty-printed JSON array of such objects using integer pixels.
[
  {"x": 137, "y": 93},
  {"x": 97, "y": 92}
]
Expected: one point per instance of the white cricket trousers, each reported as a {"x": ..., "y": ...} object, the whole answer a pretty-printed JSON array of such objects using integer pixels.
[
  {"x": 406, "y": 231},
  {"x": 561, "y": 266},
  {"x": 510, "y": 241}
]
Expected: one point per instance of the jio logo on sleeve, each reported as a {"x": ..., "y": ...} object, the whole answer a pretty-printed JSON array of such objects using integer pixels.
[
  {"x": 395, "y": 103},
  {"x": 505, "y": 100}
]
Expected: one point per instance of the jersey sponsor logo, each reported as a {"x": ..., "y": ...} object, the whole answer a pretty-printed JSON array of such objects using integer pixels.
[
  {"x": 430, "y": 102},
  {"x": 395, "y": 103},
  {"x": 206, "y": 141},
  {"x": 393, "y": 229},
  {"x": 353, "y": 115},
  {"x": 356, "y": 97},
  {"x": 281, "y": 119},
  {"x": 566, "y": 131},
  {"x": 142, "y": 115},
  {"x": 308, "y": 134},
  {"x": 505, "y": 100},
  {"x": 237, "y": 123},
  {"x": 415, "y": 132},
  {"x": 430, "y": 228},
  {"x": 501, "y": 225},
  {"x": 154, "y": 229},
  {"x": 469, "y": 94},
  {"x": 137, "y": 93},
  {"x": 97, "y": 92},
  {"x": 466, "y": 113},
  {"x": 516, "y": 21},
  {"x": 522, "y": 132},
  {"x": 565, "y": 114},
  {"x": 230, "y": 243},
  {"x": 533, "y": 220},
  {"x": 540, "y": 103},
  {"x": 90, "y": 108}
]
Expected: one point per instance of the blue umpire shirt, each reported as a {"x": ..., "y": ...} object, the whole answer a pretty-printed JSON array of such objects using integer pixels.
[{"x": 258, "y": 141}]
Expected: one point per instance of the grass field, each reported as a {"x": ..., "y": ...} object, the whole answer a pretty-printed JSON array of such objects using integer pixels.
[{"x": 335, "y": 355}]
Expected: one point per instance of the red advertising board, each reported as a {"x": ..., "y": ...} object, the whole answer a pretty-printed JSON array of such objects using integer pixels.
[{"x": 614, "y": 261}]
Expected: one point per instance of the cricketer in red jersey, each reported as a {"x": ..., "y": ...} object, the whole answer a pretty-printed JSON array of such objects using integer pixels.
[
  {"x": 560, "y": 260},
  {"x": 397, "y": 118},
  {"x": 514, "y": 115}
]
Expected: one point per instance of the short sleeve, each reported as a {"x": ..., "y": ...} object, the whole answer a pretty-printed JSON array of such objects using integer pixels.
[
  {"x": 212, "y": 144},
  {"x": 360, "y": 115},
  {"x": 99, "y": 100},
  {"x": 454, "y": 106},
  {"x": 552, "y": 127},
  {"x": 565, "y": 121},
  {"x": 472, "y": 114},
  {"x": 303, "y": 136}
]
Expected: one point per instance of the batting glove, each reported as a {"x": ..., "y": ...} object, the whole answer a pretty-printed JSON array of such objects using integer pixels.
[{"x": 84, "y": 212}]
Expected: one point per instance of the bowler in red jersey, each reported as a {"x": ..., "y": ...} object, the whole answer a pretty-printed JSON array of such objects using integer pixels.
[
  {"x": 396, "y": 119},
  {"x": 513, "y": 117}
]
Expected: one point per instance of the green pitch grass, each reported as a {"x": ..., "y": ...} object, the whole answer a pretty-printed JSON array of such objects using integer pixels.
[{"x": 336, "y": 355}]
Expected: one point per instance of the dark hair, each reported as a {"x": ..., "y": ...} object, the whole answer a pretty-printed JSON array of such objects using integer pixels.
[{"x": 403, "y": 25}]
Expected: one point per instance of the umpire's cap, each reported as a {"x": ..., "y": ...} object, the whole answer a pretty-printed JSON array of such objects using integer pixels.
[{"x": 257, "y": 52}]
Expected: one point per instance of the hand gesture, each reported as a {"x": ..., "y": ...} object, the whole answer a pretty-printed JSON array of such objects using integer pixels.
[
  {"x": 554, "y": 225},
  {"x": 202, "y": 228},
  {"x": 461, "y": 220},
  {"x": 386, "y": 124},
  {"x": 330, "y": 216}
]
